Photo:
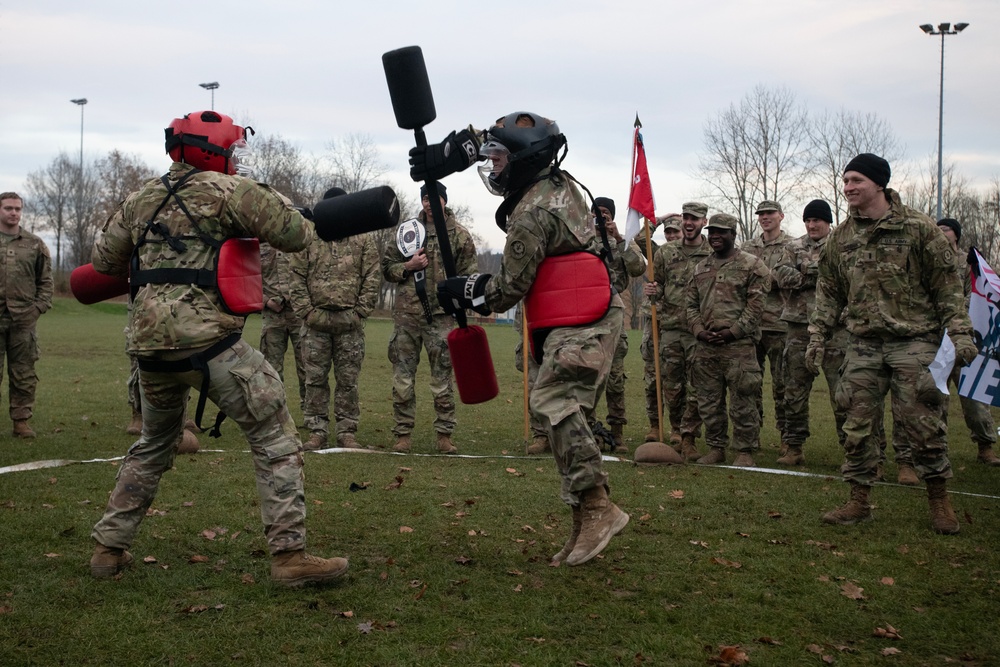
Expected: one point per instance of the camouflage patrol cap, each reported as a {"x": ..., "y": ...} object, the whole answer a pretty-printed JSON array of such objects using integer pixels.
[
  {"x": 767, "y": 206},
  {"x": 672, "y": 221},
  {"x": 723, "y": 221},
  {"x": 695, "y": 208}
]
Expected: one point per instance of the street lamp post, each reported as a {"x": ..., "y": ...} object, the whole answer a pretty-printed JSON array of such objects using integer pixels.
[
  {"x": 212, "y": 86},
  {"x": 80, "y": 102},
  {"x": 79, "y": 184},
  {"x": 942, "y": 29}
]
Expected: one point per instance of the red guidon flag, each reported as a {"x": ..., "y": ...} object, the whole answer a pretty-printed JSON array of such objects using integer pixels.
[{"x": 640, "y": 198}]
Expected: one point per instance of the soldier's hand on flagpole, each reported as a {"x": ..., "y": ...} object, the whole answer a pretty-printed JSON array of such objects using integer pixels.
[{"x": 965, "y": 350}]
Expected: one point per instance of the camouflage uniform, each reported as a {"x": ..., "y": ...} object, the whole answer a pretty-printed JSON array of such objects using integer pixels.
[
  {"x": 334, "y": 286},
  {"x": 673, "y": 266},
  {"x": 552, "y": 218},
  {"x": 26, "y": 293},
  {"x": 628, "y": 262},
  {"x": 896, "y": 278},
  {"x": 728, "y": 294},
  {"x": 278, "y": 328},
  {"x": 173, "y": 321},
  {"x": 772, "y": 329},
  {"x": 411, "y": 331}
]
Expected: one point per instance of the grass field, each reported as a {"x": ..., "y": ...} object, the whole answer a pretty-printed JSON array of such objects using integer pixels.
[{"x": 449, "y": 556}]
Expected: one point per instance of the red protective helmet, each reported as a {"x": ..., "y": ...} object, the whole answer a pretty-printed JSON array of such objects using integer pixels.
[{"x": 204, "y": 140}]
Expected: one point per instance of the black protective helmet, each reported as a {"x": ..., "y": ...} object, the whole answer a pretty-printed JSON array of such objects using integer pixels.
[{"x": 516, "y": 148}]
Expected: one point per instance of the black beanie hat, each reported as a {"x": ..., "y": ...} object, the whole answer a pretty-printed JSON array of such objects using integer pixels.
[
  {"x": 872, "y": 166},
  {"x": 818, "y": 208},
  {"x": 606, "y": 202},
  {"x": 442, "y": 190},
  {"x": 954, "y": 224}
]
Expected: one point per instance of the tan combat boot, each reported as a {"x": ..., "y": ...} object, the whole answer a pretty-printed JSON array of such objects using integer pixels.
[
  {"x": 539, "y": 445},
  {"x": 107, "y": 562},
  {"x": 907, "y": 475},
  {"x": 571, "y": 542},
  {"x": 188, "y": 443},
  {"x": 715, "y": 455},
  {"x": 135, "y": 426},
  {"x": 315, "y": 441},
  {"x": 294, "y": 568},
  {"x": 601, "y": 520},
  {"x": 688, "y": 449},
  {"x": 987, "y": 457},
  {"x": 744, "y": 460},
  {"x": 445, "y": 445},
  {"x": 348, "y": 441},
  {"x": 403, "y": 444},
  {"x": 792, "y": 457},
  {"x": 856, "y": 510},
  {"x": 616, "y": 433},
  {"x": 654, "y": 432},
  {"x": 22, "y": 430},
  {"x": 675, "y": 437},
  {"x": 943, "y": 518}
]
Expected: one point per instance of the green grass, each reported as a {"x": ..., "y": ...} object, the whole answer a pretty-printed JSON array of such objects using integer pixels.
[{"x": 713, "y": 557}]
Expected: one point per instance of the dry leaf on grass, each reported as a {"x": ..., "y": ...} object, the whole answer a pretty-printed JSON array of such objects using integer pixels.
[
  {"x": 405, "y": 529},
  {"x": 887, "y": 581},
  {"x": 463, "y": 560},
  {"x": 208, "y": 534},
  {"x": 851, "y": 590},
  {"x": 248, "y": 579},
  {"x": 645, "y": 517},
  {"x": 149, "y": 559},
  {"x": 396, "y": 484},
  {"x": 768, "y": 640},
  {"x": 52, "y": 555},
  {"x": 198, "y": 558},
  {"x": 677, "y": 493},
  {"x": 815, "y": 648},
  {"x": 514, "y": 472},
  {"x": 730, "y": 656},
  {"x": 888, "y": 632},
  {"x": 6, "y": 609},
  {"x": 728, "y": 563},
  {"x": 890, "y": 650},
  {"x": 364, "y": 628}
]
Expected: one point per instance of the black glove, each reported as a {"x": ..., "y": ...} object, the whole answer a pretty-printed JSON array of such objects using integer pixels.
[
  {"x": 305, "y": 211},
  {"x": 457, "y": 152},
  {"x": 464, "y": 292}
]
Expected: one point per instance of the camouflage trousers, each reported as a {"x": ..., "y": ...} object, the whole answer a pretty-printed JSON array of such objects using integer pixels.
[
  {"x": 409, "y": 335},
  {"x": 277, "y": 330},
  {"x": 19, "y": 347},
  {"x": 771, "y": 348},
  {"x": 537, "y": 430},
  {"x": 571, "y": 376},
  {"x": 733, "y": 367},
  {"x": 614, "y": 389},
  {"x": 677, "y": 351},
  {"x": 977, "y": 416},
  {"x": 872, "y": 369},
  {"x": 833, "y": 367},
  {"x": 248, "y": 390},
  {"x": 649, "y": 370},
  {"x": 344, "y": 352}
]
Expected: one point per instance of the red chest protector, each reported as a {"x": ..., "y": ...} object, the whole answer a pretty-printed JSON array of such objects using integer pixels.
[{"x": 569, "y": 290}]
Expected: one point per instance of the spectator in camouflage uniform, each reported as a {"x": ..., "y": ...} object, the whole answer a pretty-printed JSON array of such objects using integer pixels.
[
  {"x": 770, "y": 246},
  {"x": 627, "y": 262},
  {"x": 544, "y": 216},
  {"x": 280, "y": 325},
  {"x": 894, "y": 272},
  {"x": 725, "y": 300},
  {"x": 411, "y": 330},
  {"x": 26, "y": 271},
  {"x": 977, "y": 415},
  {"x": 333, "y": 287},
  {"x": 673, "y": 267},
  {"x": 795, "y": 273},
  {"x": 671, "y": 232},
  {"x": 173, "y": 323}
]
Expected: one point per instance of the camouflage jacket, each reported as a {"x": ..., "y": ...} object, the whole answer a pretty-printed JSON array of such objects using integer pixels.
[
  {"x": 728, "y": 294},
  {"x": 466, "y": 262},
  {"x": 673, "y": 266},
  {"x": 771, "y": 253},
  {"x": 796, "y": 274},
  {"x": 627, "y": 263},
  {"x": 176, "y": 316},
  {"x": 895, "y": 276},
  {"x": 26, "y": 272},
  {"x": 552, "y": 218},
  {"x": 276, "y": 273},
  {"x": 336, "y": 276}
]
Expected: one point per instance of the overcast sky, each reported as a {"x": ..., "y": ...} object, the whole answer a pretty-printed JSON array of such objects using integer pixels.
[{"x": 311, "y": 71}]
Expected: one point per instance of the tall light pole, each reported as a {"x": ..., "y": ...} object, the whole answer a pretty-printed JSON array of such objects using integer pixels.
[
  {"x": 79, "y": 184},
  {"x": 81, "y": 102},
  {"x": 212, "y": 86},
  {"x": 942, "y": 29}
]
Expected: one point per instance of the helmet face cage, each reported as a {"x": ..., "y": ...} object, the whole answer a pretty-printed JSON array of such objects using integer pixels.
[
  {"x": 204, "y": 140},
  {"x": 530, "y": 141},
  {"x": 495, "y": 171}
]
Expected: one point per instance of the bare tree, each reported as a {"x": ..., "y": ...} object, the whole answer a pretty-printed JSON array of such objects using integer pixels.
[
  {"x": 756, "y": 150},
  {"x": 280, "y": 164},
  {"x": 83, "y": 221},
  {"x": 51, "y": 190},
  {"x": 837, "y": 137},
  {"x": 355, "y": 162}
]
